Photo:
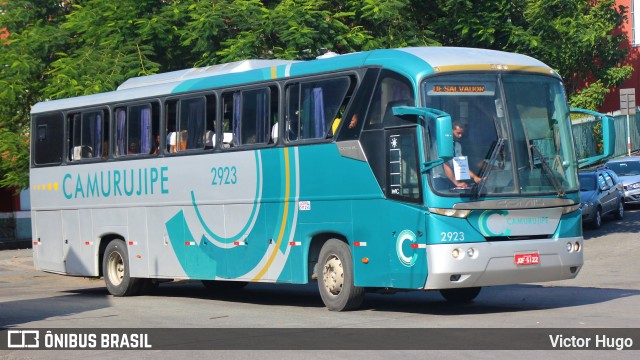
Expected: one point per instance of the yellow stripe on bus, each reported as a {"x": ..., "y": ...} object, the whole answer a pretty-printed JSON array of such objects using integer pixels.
[
  {"x": 274, "y": 73},
  {"x": 283, "y": 224},
  {"x": 493, "y": 67}
]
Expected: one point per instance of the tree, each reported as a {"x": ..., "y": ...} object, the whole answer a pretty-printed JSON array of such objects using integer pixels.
[
  {"x": 579, "y": 40},
  {"x": 25, "y": 57},
  {"x": 65, "y": 48},
  {"x": 104, "y": 47}
]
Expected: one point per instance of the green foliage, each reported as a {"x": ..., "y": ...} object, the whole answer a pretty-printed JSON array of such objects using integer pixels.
[
  {"x": 14, "y": 159},
  {"x": 64, "y": 48},
  {"x": 103, "y": 33},
  {"x": 589, "y": 97},
  {"x": 576, "y": 38}
]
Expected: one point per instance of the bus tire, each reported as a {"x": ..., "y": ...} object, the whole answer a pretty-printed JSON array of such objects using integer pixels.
[
  {"x": 115, "y": 268},
  {"x": 335, "y": 280},
  {"x": 460, "y": 295},
  {"x": 223, "y": 285}
]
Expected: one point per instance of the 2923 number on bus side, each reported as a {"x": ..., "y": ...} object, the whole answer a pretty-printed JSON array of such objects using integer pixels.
[
  {"x": 452, "y": 236},
  {"x": 224, "y": 175}
]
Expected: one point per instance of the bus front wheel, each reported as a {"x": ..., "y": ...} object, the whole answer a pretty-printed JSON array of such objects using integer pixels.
[
  {"x": 460, "y": 295},
  {"x": 115, "y": 268},
  {"x": 335, "y": 281}
]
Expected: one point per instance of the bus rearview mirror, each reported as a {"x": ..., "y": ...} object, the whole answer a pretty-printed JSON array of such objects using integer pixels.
[{"x": 442, "y": 122}]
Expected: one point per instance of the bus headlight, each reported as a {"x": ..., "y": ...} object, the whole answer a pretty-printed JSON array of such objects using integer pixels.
[{"x": 462, "y": 214}]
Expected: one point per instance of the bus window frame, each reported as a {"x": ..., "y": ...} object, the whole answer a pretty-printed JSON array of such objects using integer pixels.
[
  {"x": 351, "y": 74},
  {"x": 107, "y": 113},
  {"x": 157, "y": 101},
  {"x": 62, "y": 115},
  {"x": 221, "y": 92},
  {"x": 164, "y": 125}
]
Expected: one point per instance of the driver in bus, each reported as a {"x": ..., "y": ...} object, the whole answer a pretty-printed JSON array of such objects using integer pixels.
[{"x": 459, "y": 183}]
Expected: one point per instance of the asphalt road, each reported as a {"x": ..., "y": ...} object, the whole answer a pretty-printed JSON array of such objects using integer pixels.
[{"x": 606, "y": 294}]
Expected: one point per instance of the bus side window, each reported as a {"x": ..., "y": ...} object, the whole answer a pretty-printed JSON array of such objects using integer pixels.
[
  {"x": 191, "y": 124},
  {"x": 392, "y": 90},
  {"x": 227, "y": 117},
  {"x": 87, "y": 136},
  {"x": 313, "y": 107},
  {"x": 171, "y": 120},
  {"x": 48, "y": 144},
  {"x": 253, "y": 126},
  {"x": 247, "y": 116},
  {"x": 210, "y": 123},
  {"x": 134, "y": 128},
  {"x": 292, "y": 130}
]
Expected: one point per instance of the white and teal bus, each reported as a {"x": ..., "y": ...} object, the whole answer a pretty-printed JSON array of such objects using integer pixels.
[{"x": 348, "y": 170}]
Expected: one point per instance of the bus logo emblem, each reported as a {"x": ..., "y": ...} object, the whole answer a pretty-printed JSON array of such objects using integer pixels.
[{"x": 404, "y": 236}]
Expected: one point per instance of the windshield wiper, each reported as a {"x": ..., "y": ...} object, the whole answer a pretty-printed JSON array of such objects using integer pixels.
[
  {"x": 547, "y": 170},
  {"x": 487, "y": 169}
]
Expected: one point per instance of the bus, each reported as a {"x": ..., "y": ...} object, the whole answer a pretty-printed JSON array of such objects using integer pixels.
[{"x": 347, "y": 170}]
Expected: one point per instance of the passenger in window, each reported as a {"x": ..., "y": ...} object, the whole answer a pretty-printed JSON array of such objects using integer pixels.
[
  {"x": 171, "y": 142},
  {"x": 133, "y": 148},
  {"x": 352, "y": 124},
  {"x": 155, "y": 146},
  {"x": 182, "y": 141}
]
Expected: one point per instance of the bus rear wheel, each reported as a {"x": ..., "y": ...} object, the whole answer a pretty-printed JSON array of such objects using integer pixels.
[
  {"x": 335, "y": 281},
  {"x": 115, "y": 268},
  {"x": 460, "y": 295}
]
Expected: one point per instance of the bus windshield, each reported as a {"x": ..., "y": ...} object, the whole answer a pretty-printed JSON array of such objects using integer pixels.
[{"x": 511, "y": 135}]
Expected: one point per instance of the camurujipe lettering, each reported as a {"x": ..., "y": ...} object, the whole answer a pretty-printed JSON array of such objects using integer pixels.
[
  {"x": 528, "y": 220},
  {"x": 113, "y": 183}
]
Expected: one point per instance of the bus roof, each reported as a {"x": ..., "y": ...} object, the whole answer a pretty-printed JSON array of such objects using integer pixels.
[{"x": 412, "y": 62}]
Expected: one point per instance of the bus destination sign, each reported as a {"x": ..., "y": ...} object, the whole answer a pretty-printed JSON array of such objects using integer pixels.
[{"x": 458, "y": 88}]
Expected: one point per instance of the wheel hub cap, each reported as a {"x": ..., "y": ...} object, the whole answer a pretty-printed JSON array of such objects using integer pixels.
[{"x": 333, "y": 275}]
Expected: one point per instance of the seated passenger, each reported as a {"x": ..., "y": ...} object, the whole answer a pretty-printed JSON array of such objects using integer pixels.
[
  {"x": 171, "y": 142},
  {"x": 133, "y": 148},
  {"x": 182, "y": 141},
  {"x": 209, "y": 139}
]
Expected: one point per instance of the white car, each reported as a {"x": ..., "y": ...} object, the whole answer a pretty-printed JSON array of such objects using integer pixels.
[{"x": 628, "y": 170}]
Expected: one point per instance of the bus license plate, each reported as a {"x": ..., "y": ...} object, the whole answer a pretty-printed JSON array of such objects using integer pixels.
[{"x": 527, "y": 259}]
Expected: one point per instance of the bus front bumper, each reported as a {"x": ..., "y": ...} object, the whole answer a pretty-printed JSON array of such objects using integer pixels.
[{"x": 494, "y": 263}]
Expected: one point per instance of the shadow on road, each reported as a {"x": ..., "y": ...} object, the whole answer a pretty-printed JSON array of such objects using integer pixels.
[
  {"x": 629, "y": 225},
  {"x": 492, "y": 300},
  {"x": 20, "y": 312}
]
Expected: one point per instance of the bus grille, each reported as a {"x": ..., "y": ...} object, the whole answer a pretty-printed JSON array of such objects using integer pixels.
[{"x": 515, "y": 238}]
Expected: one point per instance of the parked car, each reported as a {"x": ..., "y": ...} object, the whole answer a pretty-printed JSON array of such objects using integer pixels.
[
  {"x": 601, "y": 193},
  {"x": 628, "y": 170}
]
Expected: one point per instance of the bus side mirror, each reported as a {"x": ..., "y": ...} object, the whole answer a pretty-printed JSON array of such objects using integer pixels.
[
  {"x": 442, "y": 121},
  {"x": 609, "y": 136}
]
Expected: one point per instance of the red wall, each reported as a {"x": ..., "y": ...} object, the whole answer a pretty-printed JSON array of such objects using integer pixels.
[
  {"x": 612, "y": 101},
  {"x": 9, "y": 202}
]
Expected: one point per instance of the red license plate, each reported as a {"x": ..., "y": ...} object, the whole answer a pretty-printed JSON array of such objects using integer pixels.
[{"x": 527, "y": 259}]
